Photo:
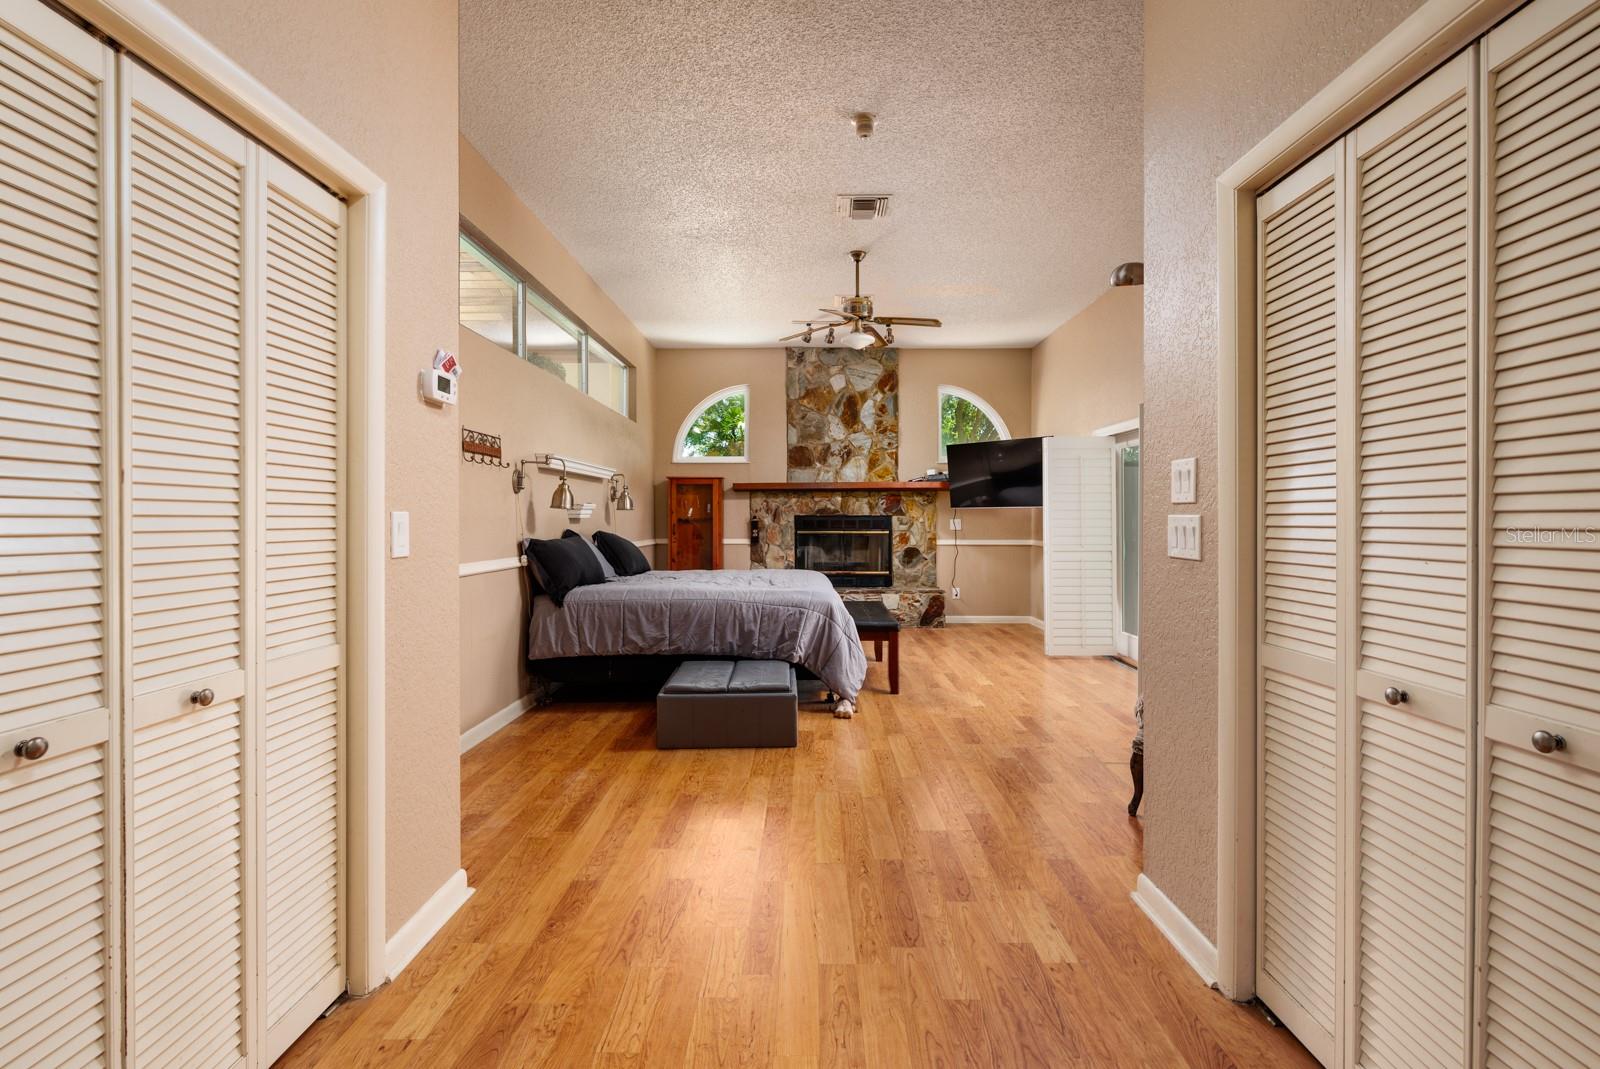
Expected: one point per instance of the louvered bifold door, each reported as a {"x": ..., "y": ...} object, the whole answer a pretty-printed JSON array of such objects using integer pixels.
[
  {"x": 302, "y": 369},
  {"x": 58, "y": 545},
  {"x": 1079, "y": 547},
  {"x": 1541, "y": 804},
  {"x": 1409, "y": 875},
  {"x": 1299, "y": 224},
  {"x": 189, "y": 508}
]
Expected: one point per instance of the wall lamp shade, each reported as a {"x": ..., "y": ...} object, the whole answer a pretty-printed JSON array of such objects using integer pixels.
[
  {"x": 620, "y": 494},
  {"x": 562, "y": 499},
  {"x": 1128, "y": 274}
]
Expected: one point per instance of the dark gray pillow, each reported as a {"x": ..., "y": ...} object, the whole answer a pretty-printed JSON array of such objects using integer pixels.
[
  {"x": 563, "y": 566},
  {"x": 623, "y": 554},
  {"x": 605, "y": 566}
]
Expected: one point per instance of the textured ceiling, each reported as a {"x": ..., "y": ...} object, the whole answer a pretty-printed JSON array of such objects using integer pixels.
[{"x": 688, "y": 154}]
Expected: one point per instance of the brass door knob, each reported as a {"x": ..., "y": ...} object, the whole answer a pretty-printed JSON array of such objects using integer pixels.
[
  {"x": 1548, "y": 741},
  {"x": 32, "y": 749},
  {"x": 1395, "y": 696},
  {"x": 203, "y": 697}
]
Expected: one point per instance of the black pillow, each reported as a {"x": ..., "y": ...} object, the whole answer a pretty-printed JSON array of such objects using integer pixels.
[
  {"x": 623, "y": 554},
  {"x": 606, "y": 571},
  {"x": 564, "y": 565},
  {"x": 535, "y": 580}
]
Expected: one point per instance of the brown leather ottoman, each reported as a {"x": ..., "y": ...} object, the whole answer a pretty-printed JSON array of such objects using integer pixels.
[{"x": 714, "y": 704}]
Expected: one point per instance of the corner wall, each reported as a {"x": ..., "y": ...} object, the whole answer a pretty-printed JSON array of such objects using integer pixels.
[
  {"x": 533, "y": 412},
  {"x": 1219, "y": 76},
  {"x": 1086, "y": 375}
]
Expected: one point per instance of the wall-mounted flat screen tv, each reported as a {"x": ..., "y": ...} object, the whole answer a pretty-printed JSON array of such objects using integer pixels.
[{"x": 997, "y": 475}]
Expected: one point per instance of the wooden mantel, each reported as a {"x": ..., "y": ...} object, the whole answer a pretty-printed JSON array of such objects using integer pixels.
[{"x": 828, "y": 488}]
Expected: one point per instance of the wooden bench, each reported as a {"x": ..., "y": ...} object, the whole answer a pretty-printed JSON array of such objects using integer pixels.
[{"x": 877, "y": 625}]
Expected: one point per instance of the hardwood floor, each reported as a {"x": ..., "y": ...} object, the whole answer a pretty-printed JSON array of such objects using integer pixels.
[{"x": 942, "y": 880}]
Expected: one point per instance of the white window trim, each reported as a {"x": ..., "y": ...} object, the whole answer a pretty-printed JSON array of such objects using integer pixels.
[
  {"x": 678, "y": 455},
  {"x": 966, "y": 395}
]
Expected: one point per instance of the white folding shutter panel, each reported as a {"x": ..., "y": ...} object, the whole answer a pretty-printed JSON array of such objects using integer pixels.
[
  {"x": 185, "y": 286},
  {"x": 303, "y": 383},
  {"x": 58, "y": 813},
  {"x": 1079, "y": 547},
  {"x": 1299, "y": 228},
  {"x": 1410, "y": 872},
  {"x": 1541, "y": 811}
]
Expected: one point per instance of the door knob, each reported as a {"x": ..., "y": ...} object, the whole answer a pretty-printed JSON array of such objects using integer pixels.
[
  {"x": 1395, "y": 696},
  {"x": 1548, "y": 741},
  {"x": 32, "y": 749},
  {"x": 203, "y": 697}
]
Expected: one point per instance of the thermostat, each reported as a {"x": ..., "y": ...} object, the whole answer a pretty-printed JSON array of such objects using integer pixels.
[{"x": 438, "y": 387}]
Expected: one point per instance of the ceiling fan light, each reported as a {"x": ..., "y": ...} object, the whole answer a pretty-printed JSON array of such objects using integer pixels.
[{"x": 859, "y": 338}]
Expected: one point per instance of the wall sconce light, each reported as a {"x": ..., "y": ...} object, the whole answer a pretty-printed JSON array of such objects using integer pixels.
[
  {"x": 620, "y": 494},
  {"x": 563, "y": 498}
]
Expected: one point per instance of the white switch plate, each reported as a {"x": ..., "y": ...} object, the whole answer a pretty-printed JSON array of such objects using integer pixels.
[
  {"x": 1183, "y": 481},
  {"x": 399, "y": 534},
  {"x": 955, "y": 523},
  {"x": 1183, "y": 537}
]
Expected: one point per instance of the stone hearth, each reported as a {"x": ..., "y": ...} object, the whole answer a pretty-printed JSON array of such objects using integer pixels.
[{"x": 914, "y": 595}]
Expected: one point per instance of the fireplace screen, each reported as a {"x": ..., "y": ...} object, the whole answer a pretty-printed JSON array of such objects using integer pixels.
[{"x": 852, "y": 551}]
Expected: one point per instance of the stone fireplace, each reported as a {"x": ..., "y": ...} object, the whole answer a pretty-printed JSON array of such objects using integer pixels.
[{"x": 843, "y": 462}]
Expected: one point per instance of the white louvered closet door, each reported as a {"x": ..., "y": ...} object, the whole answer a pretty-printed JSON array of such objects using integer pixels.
[
  {"x": 1541, "y": 810},
  {"x": 1408, "y": 865},
  {"x": 1300, "y": 222},
  {"x": 58, "y": 544},
  {"x": 1079, "y": 547},
  {"x": 189, "y": 507},
  {"x": 301, "y": 390}
]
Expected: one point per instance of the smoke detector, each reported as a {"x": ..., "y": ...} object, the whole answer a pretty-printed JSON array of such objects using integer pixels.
[{"x": 861, "y": 206}]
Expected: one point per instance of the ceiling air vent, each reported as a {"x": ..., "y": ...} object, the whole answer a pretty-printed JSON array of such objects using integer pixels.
[{"x": 862, "y": 205}]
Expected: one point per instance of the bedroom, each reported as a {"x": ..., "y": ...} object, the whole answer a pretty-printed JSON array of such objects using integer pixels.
[{"x": 500, "y": 560}]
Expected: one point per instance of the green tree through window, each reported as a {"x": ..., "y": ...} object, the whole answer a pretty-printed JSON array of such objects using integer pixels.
[
  {"x": 962, "y": 421},
  {"x": 718, "y": 431}
]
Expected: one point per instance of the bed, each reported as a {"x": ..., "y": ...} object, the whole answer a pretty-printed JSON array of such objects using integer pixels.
[{"x": 764, "y": 613}]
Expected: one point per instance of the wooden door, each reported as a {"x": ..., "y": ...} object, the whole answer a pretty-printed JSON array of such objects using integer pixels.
[
  {"x": 1408, "y": 866},
  {"x": 1302, "y": 334},
  {"x": 189, "y": 507},
  {"x": 1540, "y": 806},
  {"x": 59, "y": 604}
]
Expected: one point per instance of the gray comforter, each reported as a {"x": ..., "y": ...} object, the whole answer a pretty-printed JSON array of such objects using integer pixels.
[{"x": 765, "y": 613}]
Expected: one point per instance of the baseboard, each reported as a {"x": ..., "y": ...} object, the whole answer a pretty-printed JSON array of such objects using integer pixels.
[
  {"x": 408, "y": 942},
  {"x": 988, "y": 619},
  {"x": 1170, "y": 921},
  {"x": 480, "y": 731}
]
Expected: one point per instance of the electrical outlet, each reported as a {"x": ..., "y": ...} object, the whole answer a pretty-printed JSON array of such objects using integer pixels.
[
  {"x": 1183, "y": 537},
  {"x": 955, "y": 592},
  {"x": 955, "y": 523}
]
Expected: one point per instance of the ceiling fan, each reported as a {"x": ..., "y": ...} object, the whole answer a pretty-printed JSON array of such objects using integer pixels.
[{"x": 856, "y": 313}]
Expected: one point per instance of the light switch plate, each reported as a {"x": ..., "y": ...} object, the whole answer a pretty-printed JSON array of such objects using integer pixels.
[
  {"x": 1183, "y": 537},
  {"x": 1183, "y": 481},
  {"x": 955, "y": 523},
  {"x": 399, "y": 534}
]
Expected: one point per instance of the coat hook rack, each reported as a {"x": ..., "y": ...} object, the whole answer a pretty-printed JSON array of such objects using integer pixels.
[{"x": 480, "y": 448}]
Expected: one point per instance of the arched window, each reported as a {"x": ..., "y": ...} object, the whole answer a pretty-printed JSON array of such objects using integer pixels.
[
  {"x": 714, "y": 431},
  {"x": 966, "y": 417}
]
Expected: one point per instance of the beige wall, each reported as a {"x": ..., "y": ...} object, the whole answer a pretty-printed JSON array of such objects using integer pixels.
[
  {"x": 1219, "y": 75},
  {"x": 533, "y": 412},
  {"x": 1088, "y": 374},
  {"x": 994, "y": 579},
  {"x": 380, "y": 79}
]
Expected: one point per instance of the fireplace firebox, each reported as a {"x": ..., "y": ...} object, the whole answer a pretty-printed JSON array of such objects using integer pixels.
[{"x": 852, "y": 551}]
